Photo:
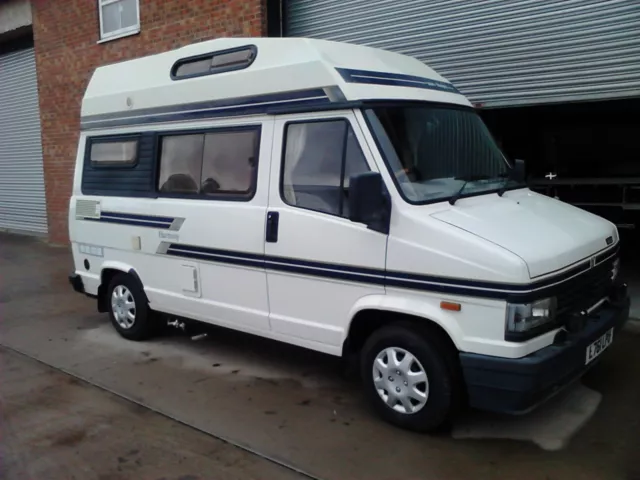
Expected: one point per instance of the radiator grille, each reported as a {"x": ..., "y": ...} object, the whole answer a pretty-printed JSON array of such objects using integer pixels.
[{"x": 586, "y": 289}]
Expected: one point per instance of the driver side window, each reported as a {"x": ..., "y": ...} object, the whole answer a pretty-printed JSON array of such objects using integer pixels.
[{"x": 319, "y": 159}]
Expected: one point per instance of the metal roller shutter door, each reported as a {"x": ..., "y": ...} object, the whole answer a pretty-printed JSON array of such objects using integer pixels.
[
  {"x": 22, "y": 199},
  {"x": 497, "y": 52}
]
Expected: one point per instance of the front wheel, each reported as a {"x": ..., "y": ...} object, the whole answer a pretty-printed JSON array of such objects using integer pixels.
[{"x": 407, "y": 378}]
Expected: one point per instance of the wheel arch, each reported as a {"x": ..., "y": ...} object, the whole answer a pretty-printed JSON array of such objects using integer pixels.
[
  {"x": 110, "y": 270},
  {"x": 373, "y": 312}
]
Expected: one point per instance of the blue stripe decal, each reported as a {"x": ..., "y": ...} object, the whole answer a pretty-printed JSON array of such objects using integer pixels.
[
  {"x": 133, "y": 216},
  {"x": 211, "y": 109},
  {"x": 135, "y": 223},
  {"x": 197, "y": 253},
  {"x": 394, "y": 80},
  {"x": 134, "y": 220},
  {"x": 318, "y": 269},
  {"x": 464, "y": 287}
]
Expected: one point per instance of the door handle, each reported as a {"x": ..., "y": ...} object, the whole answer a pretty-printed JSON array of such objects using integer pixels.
[{"x": 272, "y": 227}]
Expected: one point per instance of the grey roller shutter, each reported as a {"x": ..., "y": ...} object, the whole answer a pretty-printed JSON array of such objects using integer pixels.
[
  {"x": 497, "y": 52},
  {"x": 22, "y": 199}
]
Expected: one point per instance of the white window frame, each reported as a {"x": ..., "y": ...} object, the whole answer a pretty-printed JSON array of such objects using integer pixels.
[{"x": 122, "y": 32}]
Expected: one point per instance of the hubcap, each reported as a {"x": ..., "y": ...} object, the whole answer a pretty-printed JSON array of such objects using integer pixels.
[
  {"x": 123, "y": 306},
  {"x": 400, "y": 380}
]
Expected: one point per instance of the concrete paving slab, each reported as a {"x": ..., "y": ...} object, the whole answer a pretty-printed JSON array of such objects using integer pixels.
[{"x": 55, "y": 427}]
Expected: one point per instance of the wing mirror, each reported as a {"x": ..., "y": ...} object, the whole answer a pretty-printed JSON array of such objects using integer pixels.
[{"x": 368, "y": 202}]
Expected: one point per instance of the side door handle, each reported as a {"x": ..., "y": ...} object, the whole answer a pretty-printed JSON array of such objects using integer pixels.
[{"x": 272, "y": 227}]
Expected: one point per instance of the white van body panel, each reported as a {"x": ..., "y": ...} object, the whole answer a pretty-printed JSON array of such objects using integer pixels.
[
  {"x": 222, "y": 293},
  {"x": 419, "y": 243},
  {"x": 283, "y": 65},
  {"x": 464, "y": 328},
  {"x": 548, "y": 235},
  {"x": 319, "y": 308}
]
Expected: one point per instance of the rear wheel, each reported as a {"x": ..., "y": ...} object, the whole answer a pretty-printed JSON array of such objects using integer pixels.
[
  {"x": 128, "y": 308},
  {"x": 408, "y": 379}
]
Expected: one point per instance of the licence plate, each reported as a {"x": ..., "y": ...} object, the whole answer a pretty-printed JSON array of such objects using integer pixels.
[{"x": 599, "y": 346}]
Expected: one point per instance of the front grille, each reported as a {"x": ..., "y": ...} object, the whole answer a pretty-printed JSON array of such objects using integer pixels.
[{"x": 582, "y": 291}]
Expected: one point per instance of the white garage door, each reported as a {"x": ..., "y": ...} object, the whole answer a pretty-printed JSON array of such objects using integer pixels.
[
  {"x": 22, "y": 200},
  {"x": 497, "y": 52}
]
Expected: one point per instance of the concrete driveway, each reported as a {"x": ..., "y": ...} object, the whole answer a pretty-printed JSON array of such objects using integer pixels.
[
  {"x": 296, "y": 406},
  {"x": 56, "y": 427}
]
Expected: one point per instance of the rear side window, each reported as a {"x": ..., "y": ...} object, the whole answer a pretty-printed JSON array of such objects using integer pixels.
[
  {"x": 215, "y": 163},
  {"x": 181, "y": 163},
  {"x": 229, "y": 162},
  {"x": 319, "y": 159},
  {"x": 110, "y": 152},
  {"x": 119, "y": 165}
]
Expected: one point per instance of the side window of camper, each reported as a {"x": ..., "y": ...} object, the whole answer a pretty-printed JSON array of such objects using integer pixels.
[
  {"x": 118, "y": 165},
  {"x": 209, "y": 164},
  {"x": 181, "y": 163},
  {"x": 319, "y": 159},
  {"x": 229, "y": 162},
  {"x": 113, "y": 152}
]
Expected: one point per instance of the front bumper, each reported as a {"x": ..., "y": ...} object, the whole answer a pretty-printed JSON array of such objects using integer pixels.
[{"x": 514, "y": 386}]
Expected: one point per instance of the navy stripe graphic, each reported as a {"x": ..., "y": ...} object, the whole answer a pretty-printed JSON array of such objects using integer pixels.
[
  {"x": 317, "y": 269},
  {"x": 512, "y": 292},
  {"x": 133, "y": 216},
  {"x": 233, "y": 258},
  {"x": 394, "y": 80},
  {"x": 134, "y": 220},
  {"x": 211, "y": 109}
]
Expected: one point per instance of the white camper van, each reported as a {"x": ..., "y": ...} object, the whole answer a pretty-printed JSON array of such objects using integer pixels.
[{"x": 344, "y": 199}]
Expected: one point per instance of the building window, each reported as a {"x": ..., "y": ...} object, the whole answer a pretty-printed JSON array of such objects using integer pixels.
[
  {"x": 319, "y": 159},
  {"x": 114, "y": 152},
  {"x": 221, "y": 163},
  {"x": 118, "y": 18}
]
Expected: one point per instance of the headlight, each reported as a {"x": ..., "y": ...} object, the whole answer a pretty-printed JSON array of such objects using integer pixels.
[
  {"x": 615, "y": 269},
  {"x": 524, "y": 317}
]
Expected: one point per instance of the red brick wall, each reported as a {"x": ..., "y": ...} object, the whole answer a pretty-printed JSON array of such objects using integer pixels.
[{"x": 66, "y": 33}]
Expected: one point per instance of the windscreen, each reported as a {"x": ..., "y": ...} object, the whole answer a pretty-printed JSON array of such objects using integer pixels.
[{"x": 440, "y": 151}]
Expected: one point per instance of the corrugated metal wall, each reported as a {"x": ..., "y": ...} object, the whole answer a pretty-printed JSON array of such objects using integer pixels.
[
  {"x": 498, "y": 52},
  {"x": 22, "y": 199}
]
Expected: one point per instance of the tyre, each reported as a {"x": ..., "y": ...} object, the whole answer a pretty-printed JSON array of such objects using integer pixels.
[
  {"x": 409, "y": 378},
  {"x": 128, "y": 308}
]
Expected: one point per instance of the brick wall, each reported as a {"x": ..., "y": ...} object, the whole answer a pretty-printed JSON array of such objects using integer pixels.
[{"x": 66, "y": 33}]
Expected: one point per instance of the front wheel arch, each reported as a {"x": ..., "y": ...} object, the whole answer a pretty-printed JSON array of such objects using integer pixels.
[{"x": 367, "y": 321}]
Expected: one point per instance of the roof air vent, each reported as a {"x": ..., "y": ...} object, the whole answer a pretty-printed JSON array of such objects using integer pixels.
[{"x": 215, "y": 62}]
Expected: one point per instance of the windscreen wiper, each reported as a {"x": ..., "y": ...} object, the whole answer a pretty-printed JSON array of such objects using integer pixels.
[
  {"x": 503, "y": 187},
  {"x": 467, "y": 178}
]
